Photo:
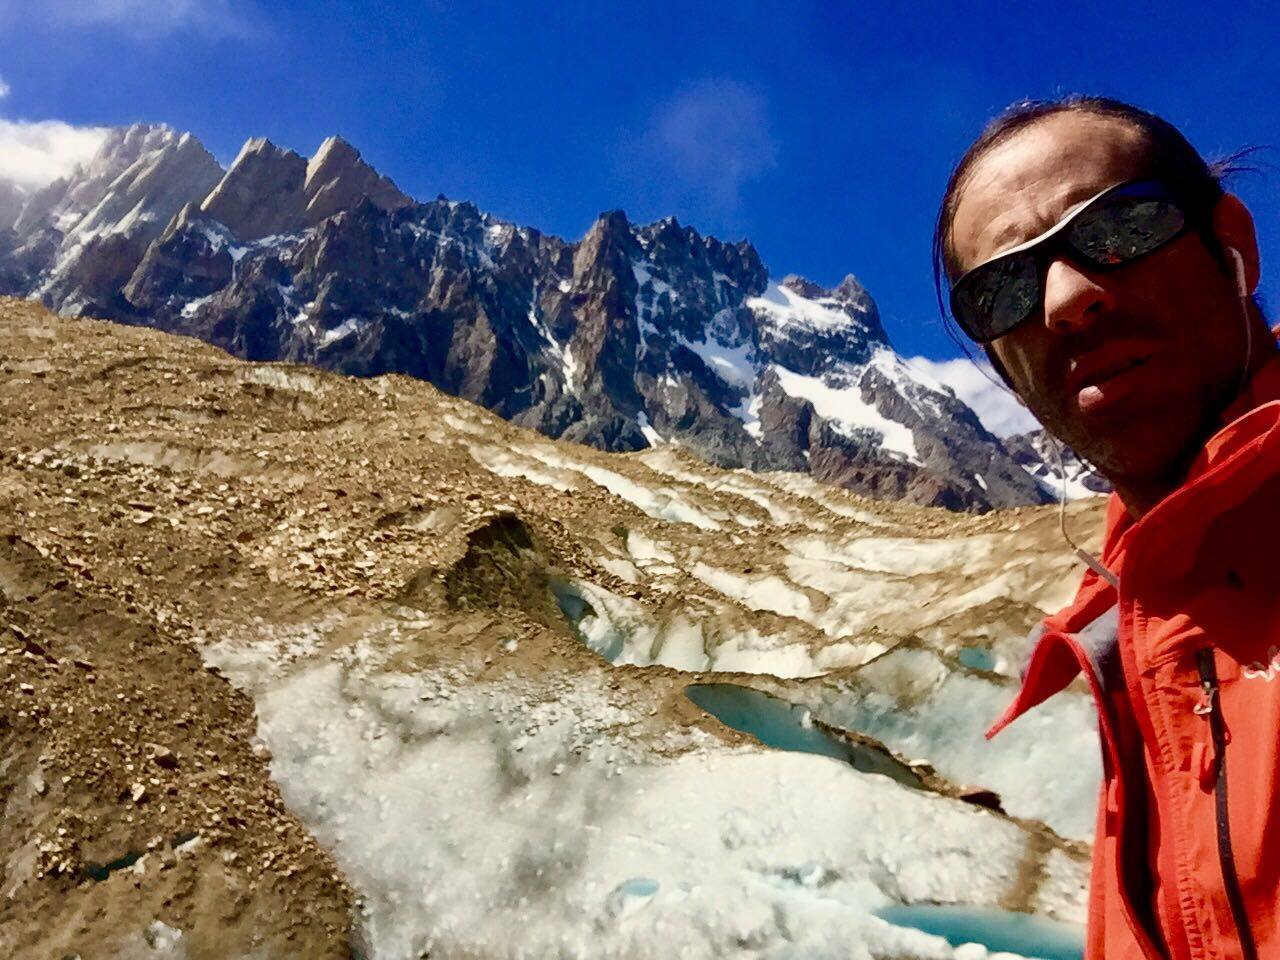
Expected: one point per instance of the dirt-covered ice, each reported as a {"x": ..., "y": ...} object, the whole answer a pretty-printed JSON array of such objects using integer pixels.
[{"x": 314, "y": 665}]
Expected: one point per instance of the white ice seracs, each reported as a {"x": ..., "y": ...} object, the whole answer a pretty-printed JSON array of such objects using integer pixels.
[
  {"x": 1044, "y": 767},
  {"x": 524, "y": 817}
]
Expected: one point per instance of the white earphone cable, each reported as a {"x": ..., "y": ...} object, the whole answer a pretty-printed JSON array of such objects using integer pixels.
[
  {"x": 1083, "y": 555},
  {"x": 1242, "y": 288}
]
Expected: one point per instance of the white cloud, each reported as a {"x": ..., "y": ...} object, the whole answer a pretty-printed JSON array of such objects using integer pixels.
[
  {"x": 5, "y": 89},
  {"x": 978, "y": 385},
  {"x": 34, "y": 153},
  {"x": 151, "y": 18},
  {"x": 712, "y": 138}
]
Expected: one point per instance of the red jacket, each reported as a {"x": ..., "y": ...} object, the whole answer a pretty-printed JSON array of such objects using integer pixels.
[{"x": 1184, "y": 665}]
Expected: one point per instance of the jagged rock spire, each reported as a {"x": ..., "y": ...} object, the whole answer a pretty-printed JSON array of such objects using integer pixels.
[{"x": 270, "y": 190}]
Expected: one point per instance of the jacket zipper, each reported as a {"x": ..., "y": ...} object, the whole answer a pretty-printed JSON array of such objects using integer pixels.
[{"x": 1230, "y": 878}]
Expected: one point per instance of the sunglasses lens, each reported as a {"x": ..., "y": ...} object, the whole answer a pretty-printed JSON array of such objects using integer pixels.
[
  {"x": 1124, "y": 229},
  {"x": 993, "y": 299}
]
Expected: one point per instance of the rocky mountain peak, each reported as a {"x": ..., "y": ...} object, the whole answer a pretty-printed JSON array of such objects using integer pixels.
[
  {"x": 749, "y": 265},
  {"x": 122, "y": 146},
  {"x": 334, "y": 153},
  {"x": 61, "y": 203},
  {"x": 609, "y": 243},
  {"x": 853, "y": 295},
  {"x": 850, "y": 290},
  {"x": 709, "y": 271},
  {"x": 666, "y": 241},
  {"x": 140, "y": 137},
  {"x": 256, "y": 148},
  {"x": 337, "y": 178},
  {"x": 81, "y": 237},
  {"x": 262, "y": 192},
  {"x": 612, "y": 222},
  {"x": 155, "y": 185},
  {"x": 821, "y": 319},
  {"x": 270, "y": 191},
  {"x": 804, "y": 287},
  {"x": 668, "y": 231}
]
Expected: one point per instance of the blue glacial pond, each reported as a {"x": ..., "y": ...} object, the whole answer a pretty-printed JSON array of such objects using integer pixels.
[
  {"x": 997, "y": 930},
  {"x": 977, "y": 658},
  {"x": 784, "y": 726}
]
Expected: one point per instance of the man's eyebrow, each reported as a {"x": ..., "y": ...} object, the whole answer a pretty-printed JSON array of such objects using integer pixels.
[{"x": 1010, "y": 236}]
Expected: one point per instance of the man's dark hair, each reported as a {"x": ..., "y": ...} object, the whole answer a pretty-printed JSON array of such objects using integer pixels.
[{"x": 1169, "y": 157}]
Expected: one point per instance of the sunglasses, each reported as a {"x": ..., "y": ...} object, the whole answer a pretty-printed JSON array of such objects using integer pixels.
[{"x": 1116, "y": 227}]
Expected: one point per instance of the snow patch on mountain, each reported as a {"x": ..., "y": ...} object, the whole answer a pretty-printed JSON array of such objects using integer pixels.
[
  {"x": 843, "y": 406},
  {"x": 787, "y": 308},
  {"x": 343, "y": 330},
  {"x": 646, "y": 428},
  {"x": 732, "y": 363},
  {"x": 1071, "y": 488}
]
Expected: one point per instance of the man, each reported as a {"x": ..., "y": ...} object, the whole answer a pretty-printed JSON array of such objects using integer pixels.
[{"x": 1108, "y": 276}]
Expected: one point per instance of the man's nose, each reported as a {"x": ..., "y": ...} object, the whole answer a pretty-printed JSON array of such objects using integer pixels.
[{"x": 1073, "y": 300}]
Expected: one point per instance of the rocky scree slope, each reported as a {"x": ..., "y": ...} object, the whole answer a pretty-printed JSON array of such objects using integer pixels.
[
  {"x": 629, "y": 338},
  {"x": 298, "y": 665}
]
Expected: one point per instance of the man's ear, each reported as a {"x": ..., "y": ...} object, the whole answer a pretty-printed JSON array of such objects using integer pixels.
[{"x": 1232, "y": 226}]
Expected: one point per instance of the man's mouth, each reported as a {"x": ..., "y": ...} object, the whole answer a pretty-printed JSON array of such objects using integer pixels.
[
  {"x": 1099, "y": 384},
  {"x": 1100, "y": 374}
]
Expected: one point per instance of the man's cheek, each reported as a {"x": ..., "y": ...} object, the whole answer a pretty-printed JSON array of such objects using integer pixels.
[{"x": 1034, "y": 384}]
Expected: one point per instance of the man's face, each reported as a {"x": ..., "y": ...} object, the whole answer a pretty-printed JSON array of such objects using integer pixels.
[{"x": 1130, "y": 367}]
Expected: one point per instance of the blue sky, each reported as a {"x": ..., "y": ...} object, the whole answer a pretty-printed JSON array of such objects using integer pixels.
[{"x": 822, "y": 132}]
